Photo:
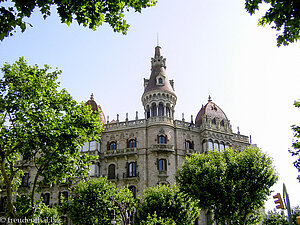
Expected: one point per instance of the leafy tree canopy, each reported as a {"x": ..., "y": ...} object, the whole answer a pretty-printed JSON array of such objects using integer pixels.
[
  {"x": 284, "y": 15},
  {"x": 91, "y": 202},
  {"x": 90, "y": 13},
  {"x": 41, "y": 128},
  {"x": 230, "y": 183},
  {"x": 296, "y": 143},
  {"x": 166, "y": 205},
  {"x": 279, "y": 218}
]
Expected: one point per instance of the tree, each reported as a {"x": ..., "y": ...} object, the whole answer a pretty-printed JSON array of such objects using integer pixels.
[
  {"x": 41, "y": 128},
  {"x": 276, "y": 218},
  {"x": 90, "y": 13},
  {"x": 296, "y": 143},
  {"x": 230, "y": 183},
  {"x": 163, "y": 203},
  {"x": 91, "y": 202},
  {"x": 283, "y": 14}
]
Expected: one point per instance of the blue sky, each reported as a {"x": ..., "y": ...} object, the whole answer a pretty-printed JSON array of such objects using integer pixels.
[{"x": 212, "y": 48}]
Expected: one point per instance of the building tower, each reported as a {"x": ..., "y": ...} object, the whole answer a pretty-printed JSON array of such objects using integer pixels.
[{"x": 159, "y": 98}]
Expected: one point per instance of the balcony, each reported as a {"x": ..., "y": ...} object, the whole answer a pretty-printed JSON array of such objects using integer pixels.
[
  {"x": 162, "y": 148},
  {"x": 120, "y": 152}
]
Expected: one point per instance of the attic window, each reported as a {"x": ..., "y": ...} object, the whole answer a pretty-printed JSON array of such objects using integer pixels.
[{"x": 159, "y": 80}]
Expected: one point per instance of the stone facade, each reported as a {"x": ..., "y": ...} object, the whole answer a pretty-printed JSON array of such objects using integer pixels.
[{"x": 145, "y": 152}]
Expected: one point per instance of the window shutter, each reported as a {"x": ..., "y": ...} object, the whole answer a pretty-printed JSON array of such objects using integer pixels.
[
  {"x": 127, "y": 143},
  {"x": 157, "y": 139},
  {"x": 166, "y": 138},
  {"x": 157, "y": 163},
  {"x": 108, "y": 145}
]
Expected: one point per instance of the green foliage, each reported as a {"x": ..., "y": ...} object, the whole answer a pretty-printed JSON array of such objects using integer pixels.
[
  {"x": 153, "y": 220},
  {"x": 90, "y": 202},
  {"x": 230, "y": 183},
  {"x": 296, "y": 143},
  {"x": 276, "y": 218},
  {"x": 283, "y": 15},
  {"x": 43, "y": 127},
  {"x": 89, "y": 13},
  {"x": 166, "y": 205},
  {"x": 45, "y": 215}
]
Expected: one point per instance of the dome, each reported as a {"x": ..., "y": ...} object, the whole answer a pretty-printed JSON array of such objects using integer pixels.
[
  {"x": 210, "y": 109},
  {"x": 96, "y": 107}
]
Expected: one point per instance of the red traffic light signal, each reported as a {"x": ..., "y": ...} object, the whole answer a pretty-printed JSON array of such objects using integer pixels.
[{"x": 278, "y": 201}]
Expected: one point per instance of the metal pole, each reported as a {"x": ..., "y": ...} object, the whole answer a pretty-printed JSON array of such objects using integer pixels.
[{"x": 287, "y": 204}]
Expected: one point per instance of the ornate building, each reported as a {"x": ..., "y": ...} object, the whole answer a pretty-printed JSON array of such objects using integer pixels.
[{"x": 145, "y": 152}]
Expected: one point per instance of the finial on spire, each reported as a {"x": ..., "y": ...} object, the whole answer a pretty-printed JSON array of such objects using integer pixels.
[
  {"x": 92, "y": 97},
  {"x": 157, "y": 39},
  {"x": 209, "y": 98}
]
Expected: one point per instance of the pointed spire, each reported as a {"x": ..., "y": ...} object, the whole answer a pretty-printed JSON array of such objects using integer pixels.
[
  {"x": 157, "y": 52},
  {"x": 209, "y": 99},
  {"x": 92, "y": 97}
]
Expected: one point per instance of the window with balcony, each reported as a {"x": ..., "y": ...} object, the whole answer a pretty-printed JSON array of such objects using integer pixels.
[
  {"x": 210, "y": 145},
  {"x": 111, "y": 145},
  {"x": 131, "y": 143},
  {"x": 160, "y": 109},
  {"x": 162, "y": 139},
  {"x": 131, "y": 172}
]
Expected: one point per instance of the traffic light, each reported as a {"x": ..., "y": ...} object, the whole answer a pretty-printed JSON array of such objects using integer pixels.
[{"x": 279, "y": 200}]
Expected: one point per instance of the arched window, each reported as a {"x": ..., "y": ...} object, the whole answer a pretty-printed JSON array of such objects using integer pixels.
[
  {"x": 162, "y": 139},
  {"x": 160, "y": 109},
  {"x": 189, "y": 144},
  {"x": 133, "y": 190},
  {"x": 111, "y": 171},
  {"x": 112, "y": 145},
  {"x": 210, "y": 145},
  {"x": 168, "y": 111},
  {"x": 162, "y": 164},
  {"x": 160, "y": 80},
  {"x": 222, "y": 123},
  {"x": 213, "y": 121},
  {"x": 147, "y": 112},
  {"x": 216, "y": 145},
  {"x": 154, "y": 110},
  {"x": 132, "y": 169},
  {"x": 222, "y": 146},
  {"x": 131, "y": 143}
]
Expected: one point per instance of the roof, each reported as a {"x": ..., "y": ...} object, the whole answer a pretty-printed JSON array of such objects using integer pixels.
[
  {"x": 158, "y": 68},
  {"x": 96, "y": 108},
  {"x": 212, "y": 110}
]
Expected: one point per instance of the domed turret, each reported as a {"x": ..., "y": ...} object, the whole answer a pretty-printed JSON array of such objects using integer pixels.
[
  {"x": 159, "y": 98},
  {"x": 96, "y": 108},
  {"x": 212, "y": 110}
]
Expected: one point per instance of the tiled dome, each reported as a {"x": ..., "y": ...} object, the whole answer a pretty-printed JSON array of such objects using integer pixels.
[
  {"x": 212, "y": 110},
  {"x": 96, "y": 107}
]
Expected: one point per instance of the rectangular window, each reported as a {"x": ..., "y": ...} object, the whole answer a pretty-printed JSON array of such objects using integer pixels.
[
  {"x": 93, "y": 145},
  {"x": 85, "y": 147},
  {"x": 25, "y": 180},
  {"x": 132, "y": 169},
  {"x": 162, "y": 165}
]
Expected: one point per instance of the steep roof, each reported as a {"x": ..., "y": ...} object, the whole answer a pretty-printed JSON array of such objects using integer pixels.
[{"x": 158, "y": 68}]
